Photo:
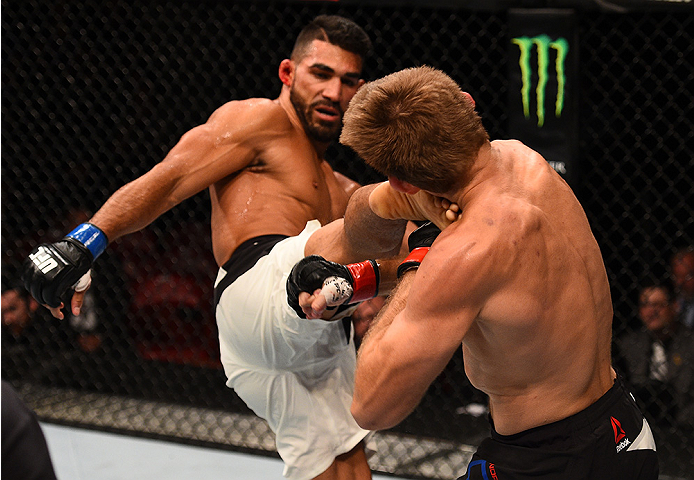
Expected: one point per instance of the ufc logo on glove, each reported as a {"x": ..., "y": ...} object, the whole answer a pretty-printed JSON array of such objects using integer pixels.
[{"x": 43, "y": 260}]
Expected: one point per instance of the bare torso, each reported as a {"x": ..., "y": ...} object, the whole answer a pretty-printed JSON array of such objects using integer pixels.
[
  {"x": 265, "y": 177},
  {"x": 540, "y": 345},
  {"x": 265, "y": 174},
  {"x": 285, "y": 185},
  {"x": 519, "y": 280}
]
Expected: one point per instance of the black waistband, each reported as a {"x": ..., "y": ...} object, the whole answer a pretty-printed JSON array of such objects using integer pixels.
[
  {"x": 244, "y": 257},
  {"x": 586, "y": 418}
]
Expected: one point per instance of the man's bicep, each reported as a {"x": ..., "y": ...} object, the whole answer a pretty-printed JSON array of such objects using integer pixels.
[
  {"x": 439, "y": 311},
  {"x": 210, "y": 152}
]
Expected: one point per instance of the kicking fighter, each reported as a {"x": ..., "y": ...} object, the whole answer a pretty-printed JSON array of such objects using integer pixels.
[{"x": 270, "y": 188}]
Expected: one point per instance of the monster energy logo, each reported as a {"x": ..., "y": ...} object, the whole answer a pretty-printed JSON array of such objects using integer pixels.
[{"x": 544, "y": 43}]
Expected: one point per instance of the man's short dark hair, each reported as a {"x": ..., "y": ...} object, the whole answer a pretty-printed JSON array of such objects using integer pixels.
[{"x": 334, "y": 29}]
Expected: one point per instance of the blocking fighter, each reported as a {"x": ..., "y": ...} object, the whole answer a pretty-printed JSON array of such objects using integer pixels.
[{"x": 517, "y": 282}]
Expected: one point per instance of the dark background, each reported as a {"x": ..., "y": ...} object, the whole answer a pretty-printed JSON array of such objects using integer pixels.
[{"x": 95, "y": 93}]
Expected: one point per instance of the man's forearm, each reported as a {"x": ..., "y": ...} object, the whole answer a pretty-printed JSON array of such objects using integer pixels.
[
  {"x": 396, "y": 303},
  {"x": 133, "y": 206},
  {"x": 380, "y": 400}
]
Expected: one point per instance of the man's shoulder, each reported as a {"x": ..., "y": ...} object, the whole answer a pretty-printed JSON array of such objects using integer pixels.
[
  {"x": 258, "y": 106},
  {"x": 258, "y": 111},
  {"x": 467, "y": 247},
  {"x": 250, "y": 121},
  {"x": 508, "y": 143},
  {"x": 512, "y": 149},
  {"x": 503, "y": 218}
]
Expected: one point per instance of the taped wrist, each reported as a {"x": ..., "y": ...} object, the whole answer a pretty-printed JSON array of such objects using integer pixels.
[
  {"x": 91, "y": 237},
  {"x": 365, "y": 280},
  {"x": 412, "y": 260}
]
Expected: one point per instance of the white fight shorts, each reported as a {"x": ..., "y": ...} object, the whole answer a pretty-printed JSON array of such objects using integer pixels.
[{"x": 295, "y": 373}]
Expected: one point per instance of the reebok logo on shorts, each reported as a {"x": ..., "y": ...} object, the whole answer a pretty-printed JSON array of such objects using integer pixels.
[
  {"x": 620, "y": 438},
  {"x": 618, "y": 431}
]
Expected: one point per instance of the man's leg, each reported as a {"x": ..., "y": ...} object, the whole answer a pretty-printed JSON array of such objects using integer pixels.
[
  {"x": 364, "y": 234},
  {"x": 349, "y": 466}
]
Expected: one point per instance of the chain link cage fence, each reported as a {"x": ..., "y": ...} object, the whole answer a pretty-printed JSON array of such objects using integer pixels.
[{"x": 95, "y": 93}]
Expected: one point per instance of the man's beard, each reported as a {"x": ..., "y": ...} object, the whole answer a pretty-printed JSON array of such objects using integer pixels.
[{"x": 316, "y": 131}]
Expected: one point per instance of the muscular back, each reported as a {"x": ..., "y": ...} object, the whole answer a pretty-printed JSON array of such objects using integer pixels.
[{"x": 522, "y": 282}]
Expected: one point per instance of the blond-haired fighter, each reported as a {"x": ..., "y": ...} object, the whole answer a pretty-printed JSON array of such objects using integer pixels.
[{"x": 518, "y": 283}]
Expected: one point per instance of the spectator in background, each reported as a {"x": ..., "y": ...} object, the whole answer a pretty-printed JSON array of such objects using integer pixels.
[
  {"x": 659, "y": 360},
  {"x": 18, "y": 307},
  {"x": 39, "y": 348},
  {"x": 29, "y": 337},
  {"x": 22, "y": 323},
  {"x": 682, "y": 271}
]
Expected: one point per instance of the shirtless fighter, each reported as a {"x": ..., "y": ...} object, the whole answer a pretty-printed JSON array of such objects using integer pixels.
[
  {"x": 518, "y": 281},
  {"x": 270, "y": 188}
]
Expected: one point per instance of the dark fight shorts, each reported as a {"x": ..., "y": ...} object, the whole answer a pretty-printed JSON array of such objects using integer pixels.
[{"x": 608, "y": 440}]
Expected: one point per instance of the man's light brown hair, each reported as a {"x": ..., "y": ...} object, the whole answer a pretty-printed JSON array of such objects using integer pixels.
[{"x": 416, "y": 125}]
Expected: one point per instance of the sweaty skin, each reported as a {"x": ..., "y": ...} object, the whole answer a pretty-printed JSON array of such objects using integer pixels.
[
  {"x": 369, "y": 235},
  {"x": 263, "y": 162},
  {"x": 519, "y": 282},
  {"x": 265, "y": 175}
]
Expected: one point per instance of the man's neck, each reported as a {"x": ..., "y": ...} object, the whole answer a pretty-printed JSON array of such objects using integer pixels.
[
  {"x": 481, "y": 170},
  {"x": 286, "y": 104}
]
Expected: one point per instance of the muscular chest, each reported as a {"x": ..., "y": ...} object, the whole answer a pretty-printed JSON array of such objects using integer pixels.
[
  {"x": 320, "y": 191},
  {"x": 287, "y": 179}
]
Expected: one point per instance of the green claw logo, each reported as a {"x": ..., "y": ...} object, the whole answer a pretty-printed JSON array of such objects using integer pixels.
[{"x": 544, "y": 43}]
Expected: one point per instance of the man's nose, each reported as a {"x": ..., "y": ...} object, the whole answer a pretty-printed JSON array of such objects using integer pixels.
[{"x": 333, "y": 89}]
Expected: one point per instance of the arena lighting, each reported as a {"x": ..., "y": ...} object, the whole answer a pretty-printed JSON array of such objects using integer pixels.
[{"x": 626, "y": 5}]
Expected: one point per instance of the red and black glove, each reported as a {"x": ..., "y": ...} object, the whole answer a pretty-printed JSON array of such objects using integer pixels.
[
  {"x": 419, "y": 242},
  {"x": 310, "y": 273}
]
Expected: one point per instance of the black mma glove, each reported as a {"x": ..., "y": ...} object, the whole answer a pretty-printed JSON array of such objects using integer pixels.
[
  {"x": 51, "y": 270},
  {"x": 419, "y": 242},
  {"x": 309, "y": 274}
]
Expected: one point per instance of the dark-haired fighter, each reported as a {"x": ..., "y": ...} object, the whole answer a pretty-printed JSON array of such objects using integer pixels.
[{"x": 270, "y": 188}]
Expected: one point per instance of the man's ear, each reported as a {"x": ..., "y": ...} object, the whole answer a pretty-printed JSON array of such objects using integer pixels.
[
  {"x": 402, "y": 186},
  {"x": 286, "y": 72}
]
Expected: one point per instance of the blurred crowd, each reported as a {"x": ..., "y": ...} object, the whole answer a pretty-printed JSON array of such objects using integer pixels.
[
  {"x": 169, "y": 319},
  {"x": 657, "y": 356}
]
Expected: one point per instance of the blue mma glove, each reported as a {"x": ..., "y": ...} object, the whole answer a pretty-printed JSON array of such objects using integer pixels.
[{"x": 52, "y": 269}]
